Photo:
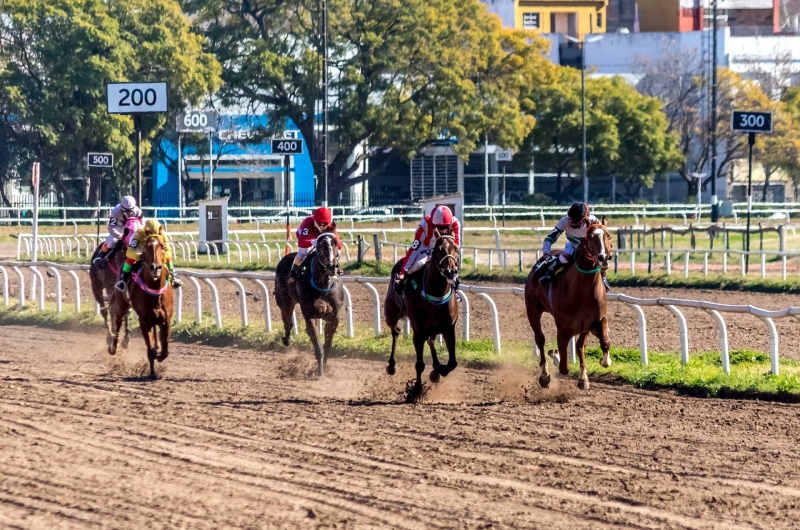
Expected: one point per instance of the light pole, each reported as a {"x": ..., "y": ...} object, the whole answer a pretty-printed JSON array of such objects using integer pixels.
[
  {"x": 714, "y": 205},
  {"x": 582, "y": 46}
]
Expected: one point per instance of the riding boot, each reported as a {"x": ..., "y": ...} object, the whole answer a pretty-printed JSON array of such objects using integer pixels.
[
  {"x": 122, "y": 284},
  {"x": 605, "y": 281},
  {"x": 99, "y": 260},
  {"x": 551, "y": 272},
  {"x": 293, "y": 274},
  {"x": 400, "y": 285}
]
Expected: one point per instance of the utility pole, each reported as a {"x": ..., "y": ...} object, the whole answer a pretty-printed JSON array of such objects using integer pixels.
[
  {"x": 325, "y": 80},
  {"x": 583, "y": 120},
  {"x": 714, "y": 204}
]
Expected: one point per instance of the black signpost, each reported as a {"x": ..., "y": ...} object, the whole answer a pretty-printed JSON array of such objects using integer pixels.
[
  {"x": 752, "y": 123},
  {"x": 287, "y": 147}
]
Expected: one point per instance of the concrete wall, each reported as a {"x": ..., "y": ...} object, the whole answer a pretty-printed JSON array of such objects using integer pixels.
[
  {"x": 659, "y": 15},
  {"x": 503, "y": 9}
]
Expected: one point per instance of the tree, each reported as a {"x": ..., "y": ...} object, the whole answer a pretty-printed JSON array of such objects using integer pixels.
[
  {"x": 402, "y": 74},
  {"x": 57, "y": 56}
]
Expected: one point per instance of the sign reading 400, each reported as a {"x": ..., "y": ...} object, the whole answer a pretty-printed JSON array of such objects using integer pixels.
[
  {"x": 136, "y": 98},
  {"x": 287, "y": 147}
]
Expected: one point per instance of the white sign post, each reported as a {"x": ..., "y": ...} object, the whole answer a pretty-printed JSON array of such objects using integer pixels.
[
  {"x": 137, "y": 99},
  {"x": 35, "y": 173},
  {"x": 197, "y": 121}
]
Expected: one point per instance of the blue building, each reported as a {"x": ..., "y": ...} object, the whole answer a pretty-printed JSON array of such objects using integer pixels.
[{"x": 244, "y": 170}]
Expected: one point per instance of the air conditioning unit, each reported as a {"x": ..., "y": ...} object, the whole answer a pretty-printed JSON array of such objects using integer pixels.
[{"x": 291, "y": 135}]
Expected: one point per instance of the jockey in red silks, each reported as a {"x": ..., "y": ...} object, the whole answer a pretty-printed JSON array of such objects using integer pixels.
[
  {"x": 442, "y": 220},
  {"x": 319, "y": 222}
]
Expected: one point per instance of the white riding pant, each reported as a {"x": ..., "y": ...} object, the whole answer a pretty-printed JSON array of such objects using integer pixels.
[
  {"x": 566, "y": 254},
  {"x": 111, "y": 241},
  {"x": 418, "y": 259},
  {"x": 301, "y": 255}
]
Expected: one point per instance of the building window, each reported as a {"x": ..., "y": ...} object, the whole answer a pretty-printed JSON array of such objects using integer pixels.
[
  {"x": 530, "y": 21},
  {"x": 599, "y": 20}
]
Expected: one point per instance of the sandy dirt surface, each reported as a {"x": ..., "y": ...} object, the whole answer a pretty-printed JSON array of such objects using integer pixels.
[{"x": 229, "y": 438}]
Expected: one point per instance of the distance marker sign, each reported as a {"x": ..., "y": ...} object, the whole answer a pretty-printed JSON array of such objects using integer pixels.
[
  {"x": 752, "y": 122},
  {"x": 136, "y": 98},
  {"x": 100, "y": 159},
  {"x": 287, "y": 147}
]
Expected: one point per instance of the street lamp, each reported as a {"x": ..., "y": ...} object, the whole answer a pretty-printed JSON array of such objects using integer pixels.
[{"x": 582, "y": 46}]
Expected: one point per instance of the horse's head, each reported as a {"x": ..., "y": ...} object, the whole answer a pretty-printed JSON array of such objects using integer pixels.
[
  {"x": 446, "y": 257},
  {"x": 328, "y": 252},
  {"x": 598, "y": 243},
  {"x": 153, "y": 255}
]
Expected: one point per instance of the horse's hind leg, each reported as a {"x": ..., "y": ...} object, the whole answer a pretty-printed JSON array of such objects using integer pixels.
[
  {"x": 331, "y": 325},
  {"x": 535, "y": 319},
  {"x": 319, "y": 352},
  {"x": 563, "y": 346},
  {"x": 115, "y": 323},
  {"x": 437, "y": 366},
  {"x": 600, "y": 330},
  {"x": 580, "y": 345},
  {"x": 286, "y": 315},
  {"x": 126, "y": 339},
  {"x": 419, "y": 347},
  {"x": 390, "y": 368}
]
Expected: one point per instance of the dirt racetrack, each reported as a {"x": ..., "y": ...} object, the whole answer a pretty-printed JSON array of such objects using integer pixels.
[{"x": 236, "y": 438}]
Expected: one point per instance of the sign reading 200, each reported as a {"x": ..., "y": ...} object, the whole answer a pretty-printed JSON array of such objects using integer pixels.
[{"x": 136, "y": 98}]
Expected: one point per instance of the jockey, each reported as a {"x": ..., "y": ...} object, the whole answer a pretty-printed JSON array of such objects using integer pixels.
[
  {"x": 116, "y": 222},
  {"x": 135, "y": 249},
  {"x": 307, "y": 233},
  {"x": 574, "y": 224},
  {"x": 441, "y": 219}
]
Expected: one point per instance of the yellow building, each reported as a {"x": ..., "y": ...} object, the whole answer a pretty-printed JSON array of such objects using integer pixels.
[{"x": 575, "y": 18}]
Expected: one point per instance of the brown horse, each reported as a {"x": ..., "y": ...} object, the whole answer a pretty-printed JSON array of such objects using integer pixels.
[
  {"x": 103, "y": 277},
  {"x": 152, "y": 297},
  {"x": 429, "y": 302},
  {"x": 577, "y": 300}
]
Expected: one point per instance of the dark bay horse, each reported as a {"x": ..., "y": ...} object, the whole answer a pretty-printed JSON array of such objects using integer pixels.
[
  {"x": 577, "y": 300},
  {"x": 102, "y": 278},
  {"x": 429, "y": 302},
  {"x": 152, "y": 297},
  {"x": 318, "y": 291}
]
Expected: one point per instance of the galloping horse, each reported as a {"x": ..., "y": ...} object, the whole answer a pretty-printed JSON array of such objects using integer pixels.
[
  {"x": 430, "y": 304},
  {"x": 577, "y": 300},
  {"x": 318, "y": 291},
  {"x": 152, "y": 297},
  {"x": 102, "y": 279}
]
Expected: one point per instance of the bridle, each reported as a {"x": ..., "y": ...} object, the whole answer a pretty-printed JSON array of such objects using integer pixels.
[
  {"x": 594, "y": 259},
  {"x": 319, "y": 254},
  {"x": 318, "y": 259},
  {"x": 156, "y": 269},
  {"x": 449, "y": 256}
]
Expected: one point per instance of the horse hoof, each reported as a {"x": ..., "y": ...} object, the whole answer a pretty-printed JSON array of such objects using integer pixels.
[
  {"x": 544, "y": 380},
  {"x": 434, "y": 377},
  {"x": 112, "y": 350},
  {"x": 564, "y": 370},
  {"x": 605, "y": 362},
  {"x": 583, "y": 384},
  {"x": 285, "y": 341},
  {"x": 126, "y": 342},
  {"x": 391, "y": 370}
]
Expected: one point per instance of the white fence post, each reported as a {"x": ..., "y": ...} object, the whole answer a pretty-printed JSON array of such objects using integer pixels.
[
  {"x": 495, "y": 321},
  {"x": 376, "y": 306},
  {"x": 683, "y": 333},
  {"x": 77, "y": 291},
  {"x": 198, "y": 301},
  {"x": 348, "y": 310},
  {"x": 773, "y": 344},
  {"x": 642, "y": 332},
  {"x": 58, "y": 287},
  {"x": 723, "y": 340},
  {"x": 242, "y": 299},
  {"x": 464, "y": 314},
  {"x": 215, "y": 301},
  {"x": 267, "y": 310},
  {"x": 5, "y": 286},
  {"x": 21, "y": 287}
]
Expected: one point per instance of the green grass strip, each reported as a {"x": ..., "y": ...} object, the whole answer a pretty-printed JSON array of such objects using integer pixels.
[{"x": 750, "y": 376}]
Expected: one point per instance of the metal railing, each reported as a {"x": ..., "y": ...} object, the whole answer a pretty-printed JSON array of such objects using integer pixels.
[{"x": 195, "y": 277}]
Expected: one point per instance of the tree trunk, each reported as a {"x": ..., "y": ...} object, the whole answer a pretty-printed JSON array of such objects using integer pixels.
[{"x": 767, "y": 175}]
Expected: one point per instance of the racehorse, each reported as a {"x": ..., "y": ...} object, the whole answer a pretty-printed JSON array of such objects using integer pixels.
[
  {"x": 152, "y": 297},
  {"x": 430, "y": 304},
  {"x": 318, "y": 291},
  {"x": 102, "y": 278},
  {"x": 577, "y": 300}
]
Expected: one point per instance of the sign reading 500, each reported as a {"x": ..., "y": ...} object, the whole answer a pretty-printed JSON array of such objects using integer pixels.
[{"x": 136, "y": 98}]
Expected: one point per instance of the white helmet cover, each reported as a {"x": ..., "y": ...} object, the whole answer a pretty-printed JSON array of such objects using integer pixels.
[{"x": 128, "y": 203}]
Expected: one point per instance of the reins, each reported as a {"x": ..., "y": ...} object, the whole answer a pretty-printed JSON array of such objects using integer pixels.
[
  {"x": 318, "y": 258},
  {"x": 585, "y": 251}
]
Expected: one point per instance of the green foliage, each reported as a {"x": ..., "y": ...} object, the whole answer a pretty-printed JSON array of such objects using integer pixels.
[
  {"x": 58, "y": 56},
  {"x": 402, "y": 73}
]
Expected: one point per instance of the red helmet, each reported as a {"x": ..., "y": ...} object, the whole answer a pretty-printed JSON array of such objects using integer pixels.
[
  {"x": 323, "y": 216},
  {"x": 442, "y": 216}
]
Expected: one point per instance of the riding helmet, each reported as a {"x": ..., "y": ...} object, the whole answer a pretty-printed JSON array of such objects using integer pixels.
[
  {"x": 442, "y": 216},
  {"x": 128, "y": 203},
  {"x": 152, "y": 226},
  {"x": 578, "y": 212},
  {"x": 323, "y": 216}
]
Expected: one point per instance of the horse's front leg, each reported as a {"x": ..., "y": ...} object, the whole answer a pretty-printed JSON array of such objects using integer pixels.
[
  {"x": 126, "y": 339},
  {"x": 116, "y": 323},
  {"x": 535, "y": 319},
  {"x": 580, "y": 345},
  {"x": 319, "y": 352},
  {"x": 147, "y": 328},
  {"x": 331, "y": 325},
  {"x": 419, "y": 347},
  {"x": 286, "y": 315},
  {"x": 391, "y": 367},
  {"x": 164, "y": 332},
  {"x": 449, "y": 336},
  {"x": 563, "y": 347},
  {"x": 600, "y": 331}
]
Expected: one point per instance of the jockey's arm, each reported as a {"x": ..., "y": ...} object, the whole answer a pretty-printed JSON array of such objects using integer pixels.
[
  {"x": 457, "y": 232},
  {"x": 115, "y": 226},
  {"x": 419, "y": 235},
  {"x": 550, "y": 239}
]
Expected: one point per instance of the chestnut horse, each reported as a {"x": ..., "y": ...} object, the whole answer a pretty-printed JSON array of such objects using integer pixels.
[
  {"x": 103, "y": 277},
  {"x": 151, "y": 296},
  {"x": 318, "y": 291},
  {"x": 577, "y": 300},
  {"x": 429, "y": 302}
]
